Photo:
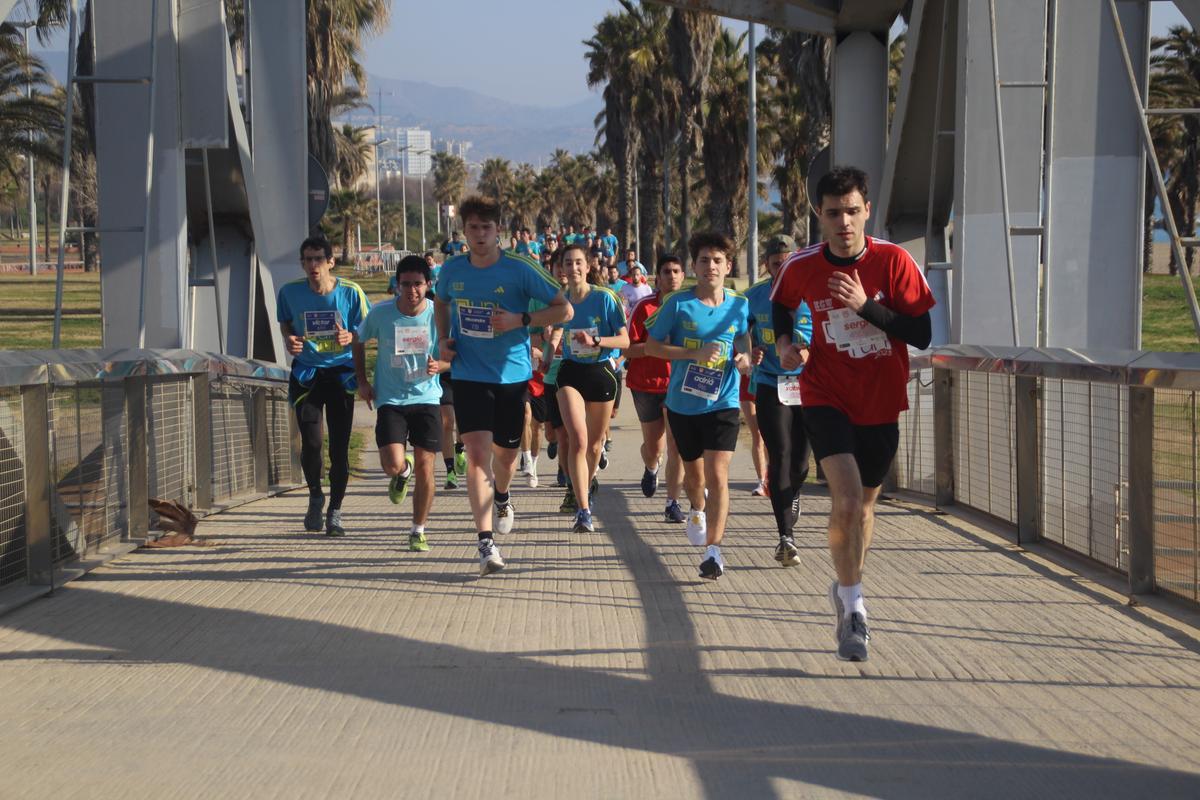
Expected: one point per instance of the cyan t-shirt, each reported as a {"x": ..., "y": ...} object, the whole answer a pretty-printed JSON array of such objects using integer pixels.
[
  {"x": 682, "y": 320},
  {"x": 405, "y": 346},
  {"x": 481, "y": 354},
  {"x": 600, "y": 314},
  {"x": 763, "y": 330},
  {"x": 316, "y": 317}
]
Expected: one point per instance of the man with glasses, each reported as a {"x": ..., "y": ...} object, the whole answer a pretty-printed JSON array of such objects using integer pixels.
[{"x": 316, "y": 316}]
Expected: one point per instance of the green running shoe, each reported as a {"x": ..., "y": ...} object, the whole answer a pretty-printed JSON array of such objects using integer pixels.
[
  {"x": 460, "y": 464},
  {"x": 398, "y": 488},
  {"x": 451, "y": 480},
  {"x": 418, "y": 543},
  {"x": 569, "y": 506}
]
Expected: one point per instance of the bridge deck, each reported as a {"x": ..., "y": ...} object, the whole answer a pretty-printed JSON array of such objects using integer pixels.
[{"x": 280, "y": 664}]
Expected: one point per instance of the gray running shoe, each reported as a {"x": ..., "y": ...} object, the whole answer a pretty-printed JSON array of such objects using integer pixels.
[
  {"x": 489, "y": 557},
  {"x": 852, "y": 646},
  {"x": 839, "y": 611},
  {"x": 333, "y": 523},
  {"x": 316, "y": 511},
  {"x": 786, "y": 553}
]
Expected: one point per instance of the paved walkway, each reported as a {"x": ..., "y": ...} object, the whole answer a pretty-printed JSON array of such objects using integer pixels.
[{"x": 280, "y": 664}]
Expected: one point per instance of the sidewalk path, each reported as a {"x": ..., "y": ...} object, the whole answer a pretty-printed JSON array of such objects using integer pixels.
[{"x": 284, "y": 664}]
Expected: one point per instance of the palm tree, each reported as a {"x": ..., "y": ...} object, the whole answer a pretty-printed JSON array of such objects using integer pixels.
[
  {"x": 690, "y": 36},
  {"x": 496, "y": 180},
  {"x": 449, "y": 178},
  {"x": 1175, "y": 68},
  {"x": 351, "y": 208},
  {"x": 353, "y": 148}
]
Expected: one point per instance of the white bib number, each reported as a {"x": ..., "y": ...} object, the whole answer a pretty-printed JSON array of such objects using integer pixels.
[
  {"x": 585, "y": 350},
  {"x": 788, "y": 389},
  {"x": 411, "y": 350},
  {"x": 851, "y": 333},
  {"x": 703, "y": 382}
]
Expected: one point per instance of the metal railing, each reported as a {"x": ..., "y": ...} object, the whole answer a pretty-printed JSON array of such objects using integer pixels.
[
  {"x": 1095, "y": 451},
  {"x": 88, "y": 436}
]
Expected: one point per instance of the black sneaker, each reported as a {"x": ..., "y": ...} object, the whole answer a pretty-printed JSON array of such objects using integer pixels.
[
  {"x": 852, "y": 644},
  {"x": 711, "y": 568},
  {"x": 315, "y": 517},
  {"x": 786, "y": 553},
  {"x": 551, "y": 450},
  {"x": 333, "y": 523},
  {"x": 649, "y": 483},
  {"x": 603, "y": 459},
  {"x": 561, "y": 478},
  {"x": 673, "y": 513}
]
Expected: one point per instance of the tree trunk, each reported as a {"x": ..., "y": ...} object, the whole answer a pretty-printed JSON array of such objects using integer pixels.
[
  {"x": 1148, "y": 225},
  {"x": 685, "y": 201},
  {"x": 650, "y": 181},
  {"x": 347, "y": 232}
]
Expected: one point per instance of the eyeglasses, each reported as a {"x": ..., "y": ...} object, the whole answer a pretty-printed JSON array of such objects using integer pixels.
[
  {"x": 410, "y": 284},
  {"x": 313, "y": 260}
]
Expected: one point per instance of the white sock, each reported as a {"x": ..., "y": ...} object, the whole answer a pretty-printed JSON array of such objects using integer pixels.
[
  {"x": 418, "y": 529},
  {"x": 713, "y": 551},
  {"x": 525, "y": 455},
  {"x": 852, "y": 600},
  {"x": 407, "y": 471}
]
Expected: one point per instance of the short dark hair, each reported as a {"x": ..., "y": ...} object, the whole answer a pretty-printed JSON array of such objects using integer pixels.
[
  {"x": 317, "y": 243},
  {"x": 667, "y": 258},
  {"x": 713, "y": 240},
  {"x": 481, "y": 207},
  {"x": 414, "y": 264},
  {"x": 839, "y": 181},
  {"x": 561, "y": 253},
  {"x": 629, "y": 250}
]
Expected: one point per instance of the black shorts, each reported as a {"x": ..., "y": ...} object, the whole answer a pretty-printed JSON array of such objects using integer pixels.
[
  {"x": 831, "y": 432},
  {"x": 447, "y": 389},
  {"x": 620, "y": 388},
  {"x": 596, "y": 383},
  {"x": 498, "y": 408},
  {"x": 649, "y": 407},
  {"x": 695, "y": 433},
  {"x": 537, "y": 407},
  {"x": 418, "y": 425},
  {"x": 553, "y": 412}
]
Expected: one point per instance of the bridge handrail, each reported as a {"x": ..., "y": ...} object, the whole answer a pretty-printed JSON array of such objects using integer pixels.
[{"x": 1124, "y": 367}]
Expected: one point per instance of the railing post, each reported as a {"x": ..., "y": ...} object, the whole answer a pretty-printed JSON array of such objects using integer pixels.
[
  {"x": 202, "y": 440},
  {"x": 39, "y": 546},
  {"x": 262, "y": 442},
  {"x": 1141, "y": 489},
  {"x": 138, "y": 460},
  {"x": 1029, "y": 529},
  {"x": 943, "y": 436}
]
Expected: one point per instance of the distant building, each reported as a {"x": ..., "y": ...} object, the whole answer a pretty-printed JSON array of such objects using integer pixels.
[
  {"x": 418, "y": 157},
  {"x": 454, "y": 147}
]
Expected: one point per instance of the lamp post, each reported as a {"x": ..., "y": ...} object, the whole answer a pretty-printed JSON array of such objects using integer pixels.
[
  {"x": 378, "y": 210},
  {"x": 423, "y": 153}
]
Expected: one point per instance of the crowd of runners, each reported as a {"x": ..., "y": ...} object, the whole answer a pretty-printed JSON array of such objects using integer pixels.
[{"x": 482, "y": 356}]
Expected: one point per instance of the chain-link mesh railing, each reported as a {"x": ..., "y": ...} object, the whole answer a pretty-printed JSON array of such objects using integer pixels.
[
  {"x": 12, "y": 488},
  {"x": 984, "y": 444},
  {"x": 107, "y": 431},
  {"x": 915, "y": 471},
  {"x": 1176, "y": 503}
]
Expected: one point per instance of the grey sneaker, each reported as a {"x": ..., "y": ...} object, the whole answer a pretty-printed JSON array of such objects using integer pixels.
[
  {"x": 786, "y": 553},
  {"x": 839, "y": 611},
  {"x": 315, "y": 515},
  {"x": 333, "y": 523},
  {"x": 852, "y": 645},
  {"x": 489, "y": 557}
]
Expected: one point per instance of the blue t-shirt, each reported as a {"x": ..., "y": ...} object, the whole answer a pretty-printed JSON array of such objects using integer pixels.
[
  {"x": 402, "y": 372},
  {"x": 763, "y": 330},
  {"x": 472, "y": 292},
  {"x": 610, "y": 243},
  {"x": 682, "y": 320},
  {"x": 317, "y": 316},
  {"x": 600, "y": 314}
]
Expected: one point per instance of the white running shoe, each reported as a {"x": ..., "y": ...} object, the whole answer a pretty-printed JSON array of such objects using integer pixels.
[
  {"x": 532, "y": 473},
  {"x": 489, "y": 557},
  {"x": 760, "y": 490},
  {"x": 505, "y": 514},
  {"x": 697, "y": 527}
]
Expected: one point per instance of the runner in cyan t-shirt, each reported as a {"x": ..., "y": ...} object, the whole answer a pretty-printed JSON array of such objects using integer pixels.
[
  {"x": 869, "y": 301},
  {"x": 406, "y": 391},
  {"x": 704, "y": 332},
  {"x": 317, "y": 316},
  {"x": 483, "y": 325}
]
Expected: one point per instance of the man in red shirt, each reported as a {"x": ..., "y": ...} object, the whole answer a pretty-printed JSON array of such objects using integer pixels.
[
  {"x": 648, "y": 378},
  {"x": 869, "y": 301}
]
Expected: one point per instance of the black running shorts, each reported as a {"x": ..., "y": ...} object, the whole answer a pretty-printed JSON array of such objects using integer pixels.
[
  {"x": 498, "y": 408},
  {"x": 831, "y": 432},
  {"x": 695, "y": 433},
  {"x": 596, "y": 383},
  {"x": 417, "y": 425},
  {"x": 553, "y": 412},
  {"x": 447, "y": 389},
  {"x": 649, "y": 407}
]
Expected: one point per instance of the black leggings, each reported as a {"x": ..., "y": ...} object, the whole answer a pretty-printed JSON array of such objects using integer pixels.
[
  {"x": 326, "y": 391},
  {"x": 782, "y": 429}
]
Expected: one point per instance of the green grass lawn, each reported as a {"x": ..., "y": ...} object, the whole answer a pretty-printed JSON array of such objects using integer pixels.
[{"x": 1166, "y": 321}]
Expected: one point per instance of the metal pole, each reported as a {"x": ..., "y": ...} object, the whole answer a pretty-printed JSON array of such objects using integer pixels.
[
  {"x": 32, "y": 194},
  {"x": 423, "y": 213},
  {"x": 752, "y": 233},
  {"x": 1008, "y": 254},
  {"x": 404, "y": 199},
  {"x": 1159, "y": 185},
  {"x": 64, "y": 196},
  {"x": 212, "y": 243},
  {"x": 378, "y": 210},
  {"x": 149, "y": 174},
  {"x": 637, "y": 216}
]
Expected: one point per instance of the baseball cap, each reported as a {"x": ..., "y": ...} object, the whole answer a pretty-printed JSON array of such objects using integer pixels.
[{"x": 780, "y": 243}]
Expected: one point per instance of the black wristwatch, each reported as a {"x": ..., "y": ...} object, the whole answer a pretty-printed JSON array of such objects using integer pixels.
[
  {"x": 595, "y": 341},
  {"x": 526, "y": 319}
]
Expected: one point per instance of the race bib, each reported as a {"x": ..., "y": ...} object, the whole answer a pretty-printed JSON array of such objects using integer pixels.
[
  {"x": 851, "y": 333},
  {"x": 411, "y": 351},
  {"x": 788, "y": 389},
  {"x": 475, "y": 321},
  {"x": 703, "y": 382},
  {"x": 320, "y": 328},
  {"x": 585, "y": 350}
]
